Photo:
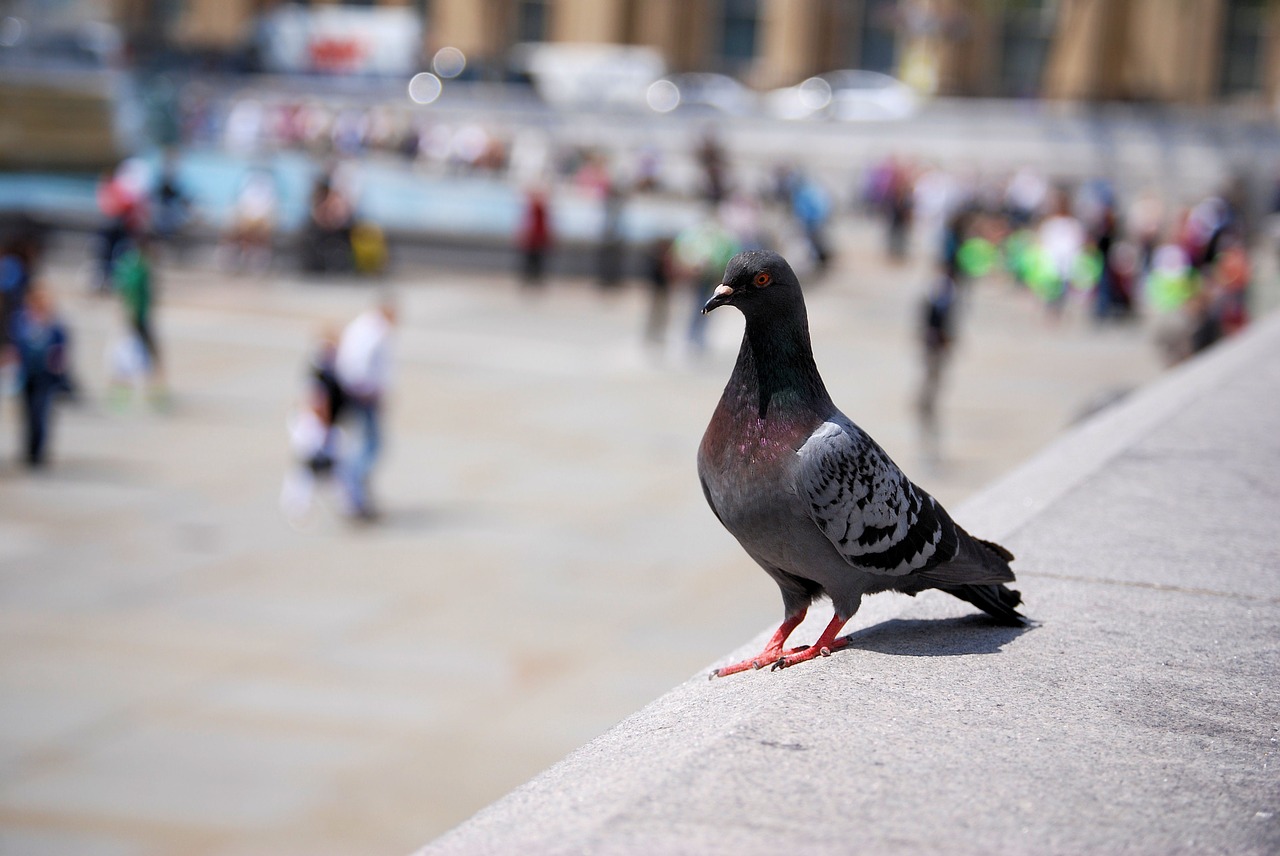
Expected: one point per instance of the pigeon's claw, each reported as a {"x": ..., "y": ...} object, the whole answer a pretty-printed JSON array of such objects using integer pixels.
[
  {"x": 809, "y": 653},
  {"x": 734, "y": 669},
  {"x": 753, "y": 663}
]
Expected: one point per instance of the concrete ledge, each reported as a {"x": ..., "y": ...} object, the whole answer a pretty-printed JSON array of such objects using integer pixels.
[{"x": 1140, "y": 714}]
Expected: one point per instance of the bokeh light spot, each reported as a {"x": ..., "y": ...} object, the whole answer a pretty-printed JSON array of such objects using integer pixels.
[
  {"x": 425, "y": 87},
  {"x": 449, "y": 62},
  {"x": 663, "y": 96}
]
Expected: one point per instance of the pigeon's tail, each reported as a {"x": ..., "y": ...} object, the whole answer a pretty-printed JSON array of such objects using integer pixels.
[
  {"x": 1002, "y": 552},
  {"x": 994, "y": 599}
]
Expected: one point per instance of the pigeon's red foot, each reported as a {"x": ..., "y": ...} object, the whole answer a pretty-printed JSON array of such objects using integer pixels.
[
  {"x": 774, "y": 656},
  {"x": 793, "y": 657},
  {"x": 826, "y": 643}
]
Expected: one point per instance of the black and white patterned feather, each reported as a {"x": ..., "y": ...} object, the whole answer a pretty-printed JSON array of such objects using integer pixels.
[{"x": 875, "y": 516}]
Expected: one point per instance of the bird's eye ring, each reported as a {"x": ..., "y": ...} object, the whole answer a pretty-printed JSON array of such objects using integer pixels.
[{"x": 763, "y": 279}]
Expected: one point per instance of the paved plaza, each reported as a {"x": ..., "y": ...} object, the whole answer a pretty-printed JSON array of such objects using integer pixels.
[{"x": 183, "y": 671}]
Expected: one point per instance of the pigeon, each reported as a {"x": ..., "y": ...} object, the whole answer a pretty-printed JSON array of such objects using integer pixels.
[{"x": 809, "y": 495}]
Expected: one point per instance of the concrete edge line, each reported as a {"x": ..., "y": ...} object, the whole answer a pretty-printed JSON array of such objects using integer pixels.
[{"x": 1010, "y": 502}]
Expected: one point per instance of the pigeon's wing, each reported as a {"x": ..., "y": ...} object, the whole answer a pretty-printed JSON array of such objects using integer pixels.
[{"x": 874, "y": 516}]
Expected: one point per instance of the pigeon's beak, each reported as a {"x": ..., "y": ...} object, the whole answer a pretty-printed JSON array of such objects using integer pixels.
[{"x": 723, "y": 295}]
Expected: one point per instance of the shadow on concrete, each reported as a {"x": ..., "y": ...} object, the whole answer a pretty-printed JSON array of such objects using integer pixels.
[
  {"x": 84, "y": 470},
  {"x": 945, "y": 637},
  {"x": 418, "y": 518}
]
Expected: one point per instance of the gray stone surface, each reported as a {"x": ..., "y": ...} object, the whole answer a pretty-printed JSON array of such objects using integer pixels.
[{"x": 1139, "y": 714}]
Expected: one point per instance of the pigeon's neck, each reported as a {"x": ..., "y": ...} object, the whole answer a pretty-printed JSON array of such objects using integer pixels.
[{"x": 776, "y": 373}]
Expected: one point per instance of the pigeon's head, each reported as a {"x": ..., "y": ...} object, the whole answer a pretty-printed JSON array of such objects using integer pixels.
[{"x": 757, "y": 281}]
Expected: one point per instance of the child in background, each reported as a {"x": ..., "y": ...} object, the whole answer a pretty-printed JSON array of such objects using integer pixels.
[{"x": 314, "y": 436}]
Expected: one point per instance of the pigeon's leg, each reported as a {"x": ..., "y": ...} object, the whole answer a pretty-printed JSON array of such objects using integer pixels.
[
  {"x": 826, "y": 643},
  {"x": 772, "y": 651}
]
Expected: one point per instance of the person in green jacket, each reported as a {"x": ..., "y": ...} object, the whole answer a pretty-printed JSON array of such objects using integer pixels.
[{"x": 135, "y": 284}]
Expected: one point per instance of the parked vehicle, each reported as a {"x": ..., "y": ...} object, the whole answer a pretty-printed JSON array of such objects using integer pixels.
[
  {"x": 702, "y": 92},
  {"x": 849, "y": 95}
]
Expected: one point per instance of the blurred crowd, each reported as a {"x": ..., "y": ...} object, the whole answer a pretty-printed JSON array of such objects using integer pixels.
[
  {"x": 1081, "y": 247},
  {"x": 251, "y": 126},
  {"x": 1186, "y": 266}
]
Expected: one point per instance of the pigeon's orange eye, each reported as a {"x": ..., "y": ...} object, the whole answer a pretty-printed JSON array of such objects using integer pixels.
[{"x": 763, "y": 279}]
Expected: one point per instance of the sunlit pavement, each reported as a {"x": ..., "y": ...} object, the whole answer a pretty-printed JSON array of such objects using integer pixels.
[{"x": 183, "y": 671}]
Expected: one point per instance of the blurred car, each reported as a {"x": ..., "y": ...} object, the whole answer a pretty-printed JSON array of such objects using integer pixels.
[
  {"x": 567, "y": 74},
  {"x": 702, "y": 92},
  {"x": 850, "y": 95}
]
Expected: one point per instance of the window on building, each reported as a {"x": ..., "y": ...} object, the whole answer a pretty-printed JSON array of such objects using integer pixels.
[
  {"x": 740, "y": 22},
  {"x": 532, "y": 21},
  {"x": 1242, "y": 47},
  {"x": 1025, "y": 36},
  {"x": 878, "y": 36}
]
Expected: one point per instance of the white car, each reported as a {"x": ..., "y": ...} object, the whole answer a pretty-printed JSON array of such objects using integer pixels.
[
  {"x": 702, "y": 92},
  {"x": 573, "y": 75},
  {"x": 849, "y": 95}
]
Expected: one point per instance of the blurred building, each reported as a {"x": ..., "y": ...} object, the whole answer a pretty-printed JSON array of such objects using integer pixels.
[{"x": 1173, "y": 51}]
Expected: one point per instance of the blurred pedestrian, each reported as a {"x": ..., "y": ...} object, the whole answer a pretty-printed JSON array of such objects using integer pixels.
[
  {"x": 711, "y": 156},
  {"x": 535, "y": 237},
  {"x": 327, "y": 245},
  {"x": 702, "y": 251},
  {"x": 42, "y": 343},
  {"x": 936, "y": 337},
  {"x": 1024, "y": 195},
  {"x": 121, "y": 198},
  {"x": 811, "y": 206},
  {"x": 362, "y": 367},
  {"x": 324, "y": 386},
  {"x": 1203, "y": 230},
  {"x": 173, "y": 207},
  {"x": 611, "y": 257},
  {"x": 955, "y": 231},
  {"x": 1143, "y": 222},
  {"x": 1232, "y": 276},
  {"x": 898, "y": 209},
  {"x": 658, "y": 264},
  {"x": 1168, "y": 291},
  {"x": 17, "y": 269},
  {"x": 247, "y": 245},
  {"x": 314, "y": 436},
  {"x": 1062, "y": 240},
  {"x": 1109, "y": 297},
  {"x": 135, "y": 283}
]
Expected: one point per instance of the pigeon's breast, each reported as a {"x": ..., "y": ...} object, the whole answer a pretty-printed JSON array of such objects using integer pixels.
[{"x": 748, "y": 471}]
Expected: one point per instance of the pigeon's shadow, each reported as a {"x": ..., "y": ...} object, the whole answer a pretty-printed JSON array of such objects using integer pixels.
[{"x": 939, "y": 637}]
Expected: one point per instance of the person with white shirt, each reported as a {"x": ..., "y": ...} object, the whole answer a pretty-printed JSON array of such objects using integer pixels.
[
  {"x": 363, "y": 369},
  {"x": 1062, "y": 239}
]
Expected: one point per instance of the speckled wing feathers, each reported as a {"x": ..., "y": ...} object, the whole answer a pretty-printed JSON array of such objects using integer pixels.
[{"x": 874, "y": 516}]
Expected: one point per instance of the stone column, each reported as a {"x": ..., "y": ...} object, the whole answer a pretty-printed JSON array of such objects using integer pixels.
[
  {"x": 479, "y": 28},
  {"x": 600, "y": 21},
  {"x": 789, "y": 49}
]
